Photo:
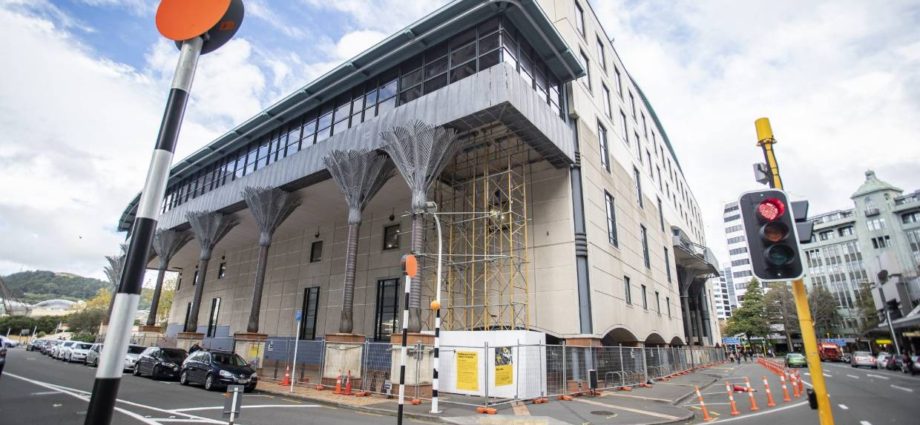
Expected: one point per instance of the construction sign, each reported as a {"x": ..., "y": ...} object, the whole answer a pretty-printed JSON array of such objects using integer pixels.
[
  {"x": 468, "y": 370},
  {"x": 504, "y": 373}
]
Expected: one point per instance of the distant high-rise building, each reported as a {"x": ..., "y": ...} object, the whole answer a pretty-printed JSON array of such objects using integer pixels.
[
  {"x": 850, "y": 247},
  {"x": 738, "y": 271},
  {"x": 723, "y": 294}
]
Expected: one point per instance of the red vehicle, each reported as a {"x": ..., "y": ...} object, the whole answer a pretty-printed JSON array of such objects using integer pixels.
[{"x": 830, "y": 352}]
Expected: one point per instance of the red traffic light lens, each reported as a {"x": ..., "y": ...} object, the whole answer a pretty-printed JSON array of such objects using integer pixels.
[
  {"x": 774, "y": 232},
  {"x": 771, "y": 209}
]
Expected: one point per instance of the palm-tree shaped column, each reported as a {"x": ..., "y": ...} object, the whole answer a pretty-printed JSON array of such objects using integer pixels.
[
  {"x": 209, "y": 228},
  {"x": 359, "y": 174},
  {"x": 269, "y": 207},
  {"x": 113, "y": 273},
  {"x": 420, "y": 153},
  {"x": 166, "y": 243}
]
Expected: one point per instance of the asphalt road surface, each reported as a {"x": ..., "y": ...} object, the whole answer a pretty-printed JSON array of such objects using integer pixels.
[
  {"x": 858, "y": 397},
  {"x": 37, "y": 390}
]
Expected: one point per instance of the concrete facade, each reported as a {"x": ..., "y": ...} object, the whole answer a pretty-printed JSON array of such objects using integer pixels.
[{"x": 657, "y": 220}]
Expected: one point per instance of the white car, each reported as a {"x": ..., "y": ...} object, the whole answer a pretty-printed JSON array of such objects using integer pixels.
[
  {"x": 60, "y": 352},
  {"x": 134, "y": 352},
  {"x": 78, "y": 352},
  {"x": 8, "y": 343}
]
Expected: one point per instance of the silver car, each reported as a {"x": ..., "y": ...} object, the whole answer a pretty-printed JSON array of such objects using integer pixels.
[
  {"x": 60, "y": 352},
  {"x": 92, "y": 356},
  {"x": 78, "y": 352},
  {"x": 882, "y": 360},
  {"x": 134, "y": 352},
  {"x": 862, "y": 358}
]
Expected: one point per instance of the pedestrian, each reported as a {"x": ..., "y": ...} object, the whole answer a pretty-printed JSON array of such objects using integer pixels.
[
  {"x": 740, "y": 355},
  {"x": 731, "y": 357},
  {"x": 749, "y": 354}
]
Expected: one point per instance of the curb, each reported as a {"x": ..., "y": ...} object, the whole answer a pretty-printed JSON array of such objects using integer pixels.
[{"x": 373, "y": 410}]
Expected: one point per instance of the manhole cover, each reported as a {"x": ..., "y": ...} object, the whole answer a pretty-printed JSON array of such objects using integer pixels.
[{"x": 602, "y": 413}]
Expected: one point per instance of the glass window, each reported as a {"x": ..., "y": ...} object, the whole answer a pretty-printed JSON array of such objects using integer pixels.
[
  {"x": 462, "y": 71},
  {"x": 619, "y": 80},
  {"x": 623, "y": 132},
  {"x": 606, "y": 92},
  {"x": 212, "y": 318},
  {"x": 587, "y": 64},
  {"x": 611, "y": 218},
  {"x": 667, "y": 263},
  {"x": 579, "y": 19},
  {"x": 222, "y": 270},
  {"x": 644, "y": 298},
  {"x": 391, "y": 237},
  {"x": 436, "y": 68},
  {"x": 601, "y": 56},
  {"x": 605, "y": 151},
  {"x": 632, "y": 101},
  {"x": 387, "y": 309},
  {"x": 489, "y": 42},
  {"x": 309, "y": 309},
  {"x": 638, "y": 181},
  {"x": 316, "y": 251},
  {"x": 627, "y": 290},
  {"x": 643, "y": 233}
]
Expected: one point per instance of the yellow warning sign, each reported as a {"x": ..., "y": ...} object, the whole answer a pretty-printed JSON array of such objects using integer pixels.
[
  {"x": 468, "y": 370},
  {"x": 504, "y": 374}
]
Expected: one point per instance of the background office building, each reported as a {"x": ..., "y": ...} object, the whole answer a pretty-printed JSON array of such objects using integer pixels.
[
  {"x": 850, "y": 247},
  {"x": 723, "y": 293},
  {"x": 738, "y": 271},
  {"x": 566, "y": 210}
]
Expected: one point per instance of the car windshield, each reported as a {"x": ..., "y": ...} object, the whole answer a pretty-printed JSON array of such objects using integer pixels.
[
  {"x": 228, "y": 359},
  {"x": 82, "y": 346},
  {"x": 796, "y": 356},
  {"x": 176, "y": 356},
  {"x": 136, "y": 349}
]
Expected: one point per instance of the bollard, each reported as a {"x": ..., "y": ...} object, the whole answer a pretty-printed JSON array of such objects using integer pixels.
[
  {"x": 750, "y": 391},
  {"x": 731, "y": 399},
  {"x": 782, "y": 380},
  {"x": 770, "y": 402},
  {"x": 706, "y": 416},
  {"x": 338, "y": 383},
  {"x": 795, "y": 386}
]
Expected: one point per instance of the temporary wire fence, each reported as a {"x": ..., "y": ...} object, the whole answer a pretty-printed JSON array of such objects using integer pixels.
[{"x": 483, "y": 375}]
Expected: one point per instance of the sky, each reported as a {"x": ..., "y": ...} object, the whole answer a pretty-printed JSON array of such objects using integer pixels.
[{"x": 85, "y": 81}]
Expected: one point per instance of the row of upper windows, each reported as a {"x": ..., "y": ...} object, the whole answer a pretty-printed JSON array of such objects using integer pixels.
[
  {"x": 691, "y": 213},
  {"x": 612, "y": 232},
  {"x": 473, "y": 50}
]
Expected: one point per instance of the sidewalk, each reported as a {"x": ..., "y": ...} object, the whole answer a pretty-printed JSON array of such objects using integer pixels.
[{"x": 657, "y": 404}]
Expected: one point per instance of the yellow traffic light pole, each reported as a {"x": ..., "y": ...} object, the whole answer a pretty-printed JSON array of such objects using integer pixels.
[{"x": 765, "y": 140}]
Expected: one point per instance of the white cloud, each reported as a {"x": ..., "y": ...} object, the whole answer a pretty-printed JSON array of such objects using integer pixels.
[
  {"x": 387, "y": 16},
  {"x": 355, "y": 42},
  {"x": 837, "y": 79}
]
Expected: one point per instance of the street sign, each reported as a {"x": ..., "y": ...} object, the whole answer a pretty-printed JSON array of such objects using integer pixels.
[
  {"x": 298, "y": 315},
  {"x": 881, "y": 341},
  {"x": 731, "y": 340},
  {"x": 233, "y": 399}
]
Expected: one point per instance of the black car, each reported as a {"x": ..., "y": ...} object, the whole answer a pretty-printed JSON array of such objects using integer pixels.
[
  {"x": 217, "y": 369},
  {"x": 160, "y": 363}
]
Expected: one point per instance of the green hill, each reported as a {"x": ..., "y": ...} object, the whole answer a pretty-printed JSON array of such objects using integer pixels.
[{"x": 40, "y": 285}]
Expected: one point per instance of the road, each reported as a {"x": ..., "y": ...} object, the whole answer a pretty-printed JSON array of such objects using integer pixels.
[
  {"x": 35, "y": 389},
  {"x": 858, "y": 397}
]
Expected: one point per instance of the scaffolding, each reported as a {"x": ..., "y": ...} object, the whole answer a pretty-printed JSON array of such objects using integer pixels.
[{"x": 482, "y": 198}]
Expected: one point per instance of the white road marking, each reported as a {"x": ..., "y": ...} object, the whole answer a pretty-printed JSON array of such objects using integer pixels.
[
  {"x": 84, "y": 395},
  {"x": 902, "y": 388},
  {"x": 764, "y": 412},
  {"x": 639, "y": 411},
  {"x": 827, "y": 376},
  {"x": 864, "y": 423},
  {"x": 853, "y": 376},
  {"x": 844, "y": 407},
  {"x": 256, "y": 406},
  {"x": 877, "y": 376},
  {"x": 46, "y": 393}
]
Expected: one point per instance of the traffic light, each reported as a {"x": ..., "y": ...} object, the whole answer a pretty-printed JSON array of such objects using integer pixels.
[{"x": 771, "y": 235}]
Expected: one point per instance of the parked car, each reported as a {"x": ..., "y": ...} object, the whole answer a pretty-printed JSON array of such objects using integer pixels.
[
  {"x": 913, "y": 366},
  {"x": 36, "y": 344},
  {"x": 160, "y": 363},
  {"x": 898, "y": 362},
  {"x": 61, "y": 351},
  {"x": 795, "y": 360},
  {"x": 8, "y": 343},
  {"x": 134, "y": 351},
  {"x": 92, "y": 357},
  {"x": 862, "y": 358},
  {"x": 217, "y": 369},
  {"x": 829, "y": 352},
  {"x": 48, "y": 348},
  {"x": 78, "y": 352},
  {"x": 881, "y": 361}
]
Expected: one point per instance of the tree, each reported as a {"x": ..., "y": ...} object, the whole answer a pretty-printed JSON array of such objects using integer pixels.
[
  {"x": 868, "y": 313},
  {"x": 86, "y": 320},
  {"x": 167, "y": 293},
  {"x": 751, "y": 318},
  {"x": 824, "y": 312},
  {"x": 100, "y": 300},
  {"x": 780, "y": 306}
]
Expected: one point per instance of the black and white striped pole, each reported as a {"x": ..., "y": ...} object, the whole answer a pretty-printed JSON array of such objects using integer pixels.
[
  {"x": 432, "y": 208},
  {"x": 410, "y": 268},
  {"x": 217, "y": 21}
]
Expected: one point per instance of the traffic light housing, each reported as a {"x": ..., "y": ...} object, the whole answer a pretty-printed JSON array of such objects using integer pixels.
[{"x": 770, "y": 228}]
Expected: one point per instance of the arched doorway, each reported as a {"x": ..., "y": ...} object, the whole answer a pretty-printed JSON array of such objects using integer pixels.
[
  {"x": 654, "y": 340},
  {"x": 677, "y": 342},
  {"x": 620, "y": 336}
]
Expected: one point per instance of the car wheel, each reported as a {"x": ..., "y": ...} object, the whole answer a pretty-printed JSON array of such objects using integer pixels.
[
  {"x": 136, "y": 371},
  {"x": 183, "y": 378},
  {"x": 249, "y": 388},
  {"x": 209, "y": 383},
  {"x": 155, "y": 373}
]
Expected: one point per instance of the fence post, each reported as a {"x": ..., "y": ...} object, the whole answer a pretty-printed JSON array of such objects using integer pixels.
[
  {"x": 517, "y": 372},
  {"x": 645, "y": 365},
  {"x": 418, "y": 365},
  {"x": 367, "y": 355},
  {"x": 565, "y": 365},
  {"x": 544, "y": 368},
  {"x": 485, "y": 360},
  {"x": 322, "y": 360},
  {"x": 622, "y": 367}
]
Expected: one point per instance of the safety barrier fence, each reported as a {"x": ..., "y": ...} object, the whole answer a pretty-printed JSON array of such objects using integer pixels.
[{"x": 479, "y": 375}]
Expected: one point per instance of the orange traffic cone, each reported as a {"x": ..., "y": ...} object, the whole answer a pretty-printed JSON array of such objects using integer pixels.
[
  {"x": 801, "y": 382},
  {"x": 782, "y": 380},
  {"x": 795, "y": 386},
  {"x": 338, "y": 384},
  {"x": 770, "y": 402},
  {"x": 750, "y": 392},
  {"x": 286, "y": 381},
  {"x": 731, "y": 399},
  {"x": 706, "y": 416},
  {"x": 348, "y": 384}
]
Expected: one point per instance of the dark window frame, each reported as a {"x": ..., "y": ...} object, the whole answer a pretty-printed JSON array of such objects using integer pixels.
[
  {"x": 383, "y": 302},
  {"x": 309, "y": 313},
  {"x": 391, "y": 241},
  {"x": 316, "y": 257}
]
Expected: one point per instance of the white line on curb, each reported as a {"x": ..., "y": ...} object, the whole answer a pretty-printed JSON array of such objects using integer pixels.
[{"x": 844, "y": 407}]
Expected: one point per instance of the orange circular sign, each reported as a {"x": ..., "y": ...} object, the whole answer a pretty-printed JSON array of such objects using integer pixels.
[
  {"x": 409, "y": 265},
  {"x": 186, "y": 19}
]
